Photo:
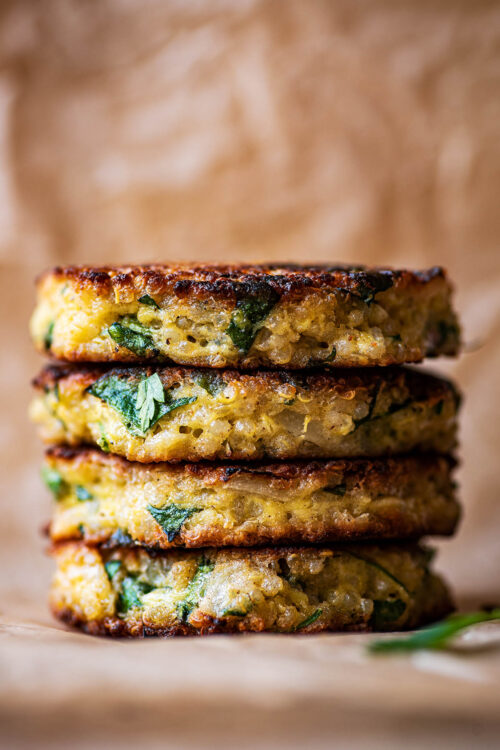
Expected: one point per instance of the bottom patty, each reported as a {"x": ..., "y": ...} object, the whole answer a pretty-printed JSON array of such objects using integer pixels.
[{"x": 137, "y": 592}]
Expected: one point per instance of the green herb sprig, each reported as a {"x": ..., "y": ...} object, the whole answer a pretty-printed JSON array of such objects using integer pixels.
[
  {"x": 141, "y": 404},
  {"x": 149, "y": 393},
  {"x": 437, "y": 636}
]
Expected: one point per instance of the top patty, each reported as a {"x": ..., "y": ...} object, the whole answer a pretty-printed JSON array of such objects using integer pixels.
[{"x": 247, "y": 316}]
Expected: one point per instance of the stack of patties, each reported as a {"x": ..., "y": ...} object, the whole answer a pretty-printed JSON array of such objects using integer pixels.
[{"x": 236, "y": 448}]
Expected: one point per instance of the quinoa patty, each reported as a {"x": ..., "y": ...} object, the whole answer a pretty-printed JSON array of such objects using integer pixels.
[
  {"x": 137, "y": 592},
  {"x": 245, "y": 316},
  {"x": 103, "y": 498},
  {"x": 174, "y": 414}
]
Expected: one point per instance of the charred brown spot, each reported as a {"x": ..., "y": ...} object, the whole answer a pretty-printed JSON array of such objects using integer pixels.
[{"x": 232, "y": 281}]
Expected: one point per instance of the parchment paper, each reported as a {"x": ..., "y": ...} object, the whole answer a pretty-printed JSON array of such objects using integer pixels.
[{"x": 330, "y": 131}]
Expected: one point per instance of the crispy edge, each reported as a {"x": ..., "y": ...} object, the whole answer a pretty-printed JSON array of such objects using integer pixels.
[
  {"x": 369, "y": 530},
  {"x": 374, "y": 473},
  {"x": 231, "y": 282},
  {"x": 376, "y": 476},
  {"x": 117, "y": 628},
  {"x": 420, "y": 384}
]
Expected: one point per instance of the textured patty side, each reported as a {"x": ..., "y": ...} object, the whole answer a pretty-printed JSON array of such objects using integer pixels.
[
  {"x": 230, "y": 415},
  {"x": 245, "y": 316},
  {"x": 103, "y": 498},
  {"x": 135, "y": 592}
]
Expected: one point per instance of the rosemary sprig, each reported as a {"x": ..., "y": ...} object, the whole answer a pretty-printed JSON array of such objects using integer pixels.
[{"x": 434, "y": 636}]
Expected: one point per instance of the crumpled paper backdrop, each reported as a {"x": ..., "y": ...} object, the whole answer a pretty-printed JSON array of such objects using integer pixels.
[{"x": 228, "y": 131}]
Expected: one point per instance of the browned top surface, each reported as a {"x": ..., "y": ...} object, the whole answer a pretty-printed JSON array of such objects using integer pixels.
[
  {"x": 232, "y": 281},
  {"x": 420, "y": 383},
  {"x": 374, "y": 471}
]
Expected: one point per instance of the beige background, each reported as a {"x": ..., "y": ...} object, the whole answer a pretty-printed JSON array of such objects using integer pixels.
[{"x": 300, "y": 130}]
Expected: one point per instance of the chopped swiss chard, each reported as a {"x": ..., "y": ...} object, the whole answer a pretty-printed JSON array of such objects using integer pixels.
[
  {"x": 171, "y": 518},
  {"x": 196, "y": 589},
  {"x": 130, "y": 334},
  {"x": 55, "y": 482},
  {"x": 250, "y": 311}
]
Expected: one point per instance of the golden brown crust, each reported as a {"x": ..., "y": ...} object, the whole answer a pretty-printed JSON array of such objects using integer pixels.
[
  {"x": 395, "y": 498},
  {"x": 116, "y": 628},
  {"x": 230, "y": 281},
  {"x": 375, "y": 471},
  {"x": 422, "y": 384},
  {"x": 368, "y": 530},
  {"x": 289, "y": 317},
  {"x": 320, "y": 578}
]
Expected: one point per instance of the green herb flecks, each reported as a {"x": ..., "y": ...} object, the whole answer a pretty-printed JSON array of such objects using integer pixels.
[
  {"x": 55, "y": 482},
  {"x": 338, "y": 489},
  {"x": 435, "y": 636},
  {"x": 121, "y": 395},
  {"x": 379, "y": 567},
  {"x": 438, "y": 408},
  {"x": 131, "y": 593},
  {"x": 241, "y": 611},
  {"x": 309, "y": 620},
  {"x": 103, "y": 441},
  {"x": 141, "y": 404},
  {"x": 368, "y": 285},
  {"x": 49, "y": 335},
  {"x": 234, "y": 613},
  {"x": 247, "y": 316},
  {"x": 82, "y": 493},
  {"x": 196, "y": 589},
  {"x": 371, "y": 407},
  {"x": 112, "y": 567},
  {"x": 212, "y": 382},
  {"x": 393, "y": 409},
  {"x": 171, "y": 518},
  {"x": 332, "y": 355},
  {"x": 120, "y": 538},
  {"x": 386, "y": 611},
  {"x": 446, "y": 331},
  {"x": 130, "y": 334},
  {"x": 147, "y": 300}
]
